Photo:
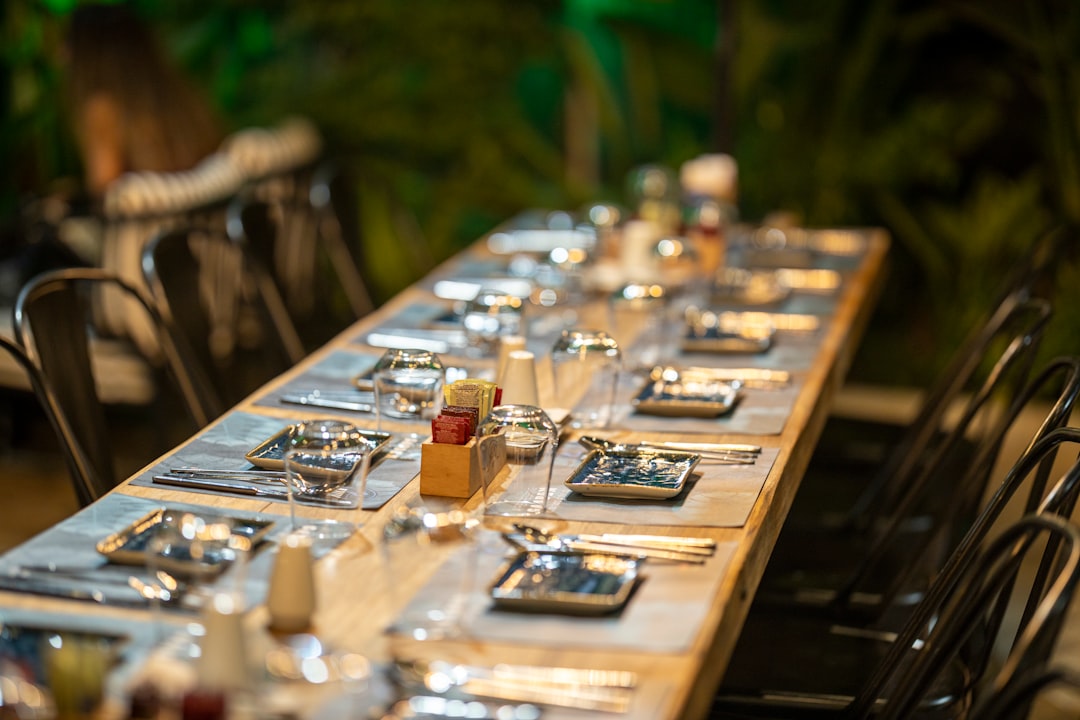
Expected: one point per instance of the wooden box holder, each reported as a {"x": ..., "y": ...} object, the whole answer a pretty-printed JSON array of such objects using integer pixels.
[{"x": 459, "y": 470}]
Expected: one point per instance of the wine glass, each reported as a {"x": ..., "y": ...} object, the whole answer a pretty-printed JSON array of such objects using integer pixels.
[{"x": 326, "y": 465}]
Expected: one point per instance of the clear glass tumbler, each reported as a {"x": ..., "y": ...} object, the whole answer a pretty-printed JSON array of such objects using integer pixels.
[
  {"x": 489, "y": 317},
  {"x": 326, "y": 466},
  {"x": 531, "y": 440},
  {"x": 408, "y": 385},
  {"x": 638, "y": 314},
  {"x": 418, "y": 540},
  {"x": 585, "y": 367}
]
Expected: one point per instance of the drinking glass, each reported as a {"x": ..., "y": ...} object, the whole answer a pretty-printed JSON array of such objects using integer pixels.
[
  {"x": 530, "y": 439},
  {"x": 326, "y": 464},
  {"x": 490, "y": 316},
  {"x": 638, "y": 314},
  {"x": 185, "y": 552},
  {"x": 417, "y": 538},
  {"x": 585, "y": 367},
  {"x": 408, "y": 385}
]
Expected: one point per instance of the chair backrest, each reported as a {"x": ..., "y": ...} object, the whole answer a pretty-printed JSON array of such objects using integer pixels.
[
  {"x": 977, "y": 608},
  {"x": 1015, "y": 693},
  {"x": 52, "y": 323},
  {"x": 334, "y": 199},
  {"x": 182, "y": 267},
  {"x": 1061, "y": 499},
  {"x": 82, "y": 472},
  {"x": 919, "y": 491},
  {"x": 1016, "y": 324},
  {"x": 296, "y": 226},
  {"x": 139, "y": 205}
]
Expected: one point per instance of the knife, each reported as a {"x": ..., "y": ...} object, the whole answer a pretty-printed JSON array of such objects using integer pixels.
[
  {"x": 648, "y": 543},
  {"x": 237, "y": 487},
  {"x": 59, "y": 588},
  {"x": 327, "y": 403},
  {"x": 638, "y": 551}
]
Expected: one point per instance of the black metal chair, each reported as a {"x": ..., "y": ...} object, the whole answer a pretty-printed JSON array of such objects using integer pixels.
[
  {"x": 220, "y": 298},
  {"x": 52, "y": 323},
  {"x": 305, "y": 236},
  {"x": 857, "y": 460},
  {"x": 1014, "y": 693},
  {"x": 932, "y": 668},
  {"x": 860, "y": 569},
  {"x": 800, "y": 665},
  {"x": 82, "y": 473}
]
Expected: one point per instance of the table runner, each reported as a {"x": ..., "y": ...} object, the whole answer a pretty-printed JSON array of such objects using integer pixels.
[
  {"x": 663, "y": 615},
  {"x": 222, "y": 446},
  {"x": 334, "y": 372}
]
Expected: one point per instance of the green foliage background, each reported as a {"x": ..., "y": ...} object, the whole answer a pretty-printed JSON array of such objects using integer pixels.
[{"x": 952, "y": 123}]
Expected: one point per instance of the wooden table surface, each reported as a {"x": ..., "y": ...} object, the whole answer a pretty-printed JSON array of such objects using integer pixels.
[{"x": 356, "y": 602}]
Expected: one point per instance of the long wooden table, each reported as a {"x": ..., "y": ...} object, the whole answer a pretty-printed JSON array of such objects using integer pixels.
[{"x": 358, "y": 599}]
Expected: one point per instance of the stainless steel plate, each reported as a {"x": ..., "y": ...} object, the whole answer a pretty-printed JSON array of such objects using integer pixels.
[
  {"x": 566, "y": 582},
  {"x": 635, "y": 474},
  {"x": 686, "y": 398},
  {"x": 128, "y": 546},
  {"x": 270, "y": 454}
]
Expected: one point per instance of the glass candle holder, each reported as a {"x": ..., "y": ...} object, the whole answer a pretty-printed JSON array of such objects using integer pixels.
[{"x": 531, "y": 439}]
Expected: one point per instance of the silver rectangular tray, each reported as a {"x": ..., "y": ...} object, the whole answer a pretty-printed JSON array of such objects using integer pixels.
[
  {"x": 712, "y": 340},
  {"x": 686, "y": 397},
  {"x": 270, "y": 454},
  {"x": 566, "y": 582},
  {"x": 128, "y": 545},
  {"x": 633, "y": 474}
]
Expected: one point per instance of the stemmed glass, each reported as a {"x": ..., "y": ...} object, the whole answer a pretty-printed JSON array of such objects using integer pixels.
[{"x": 326, "y": 463}]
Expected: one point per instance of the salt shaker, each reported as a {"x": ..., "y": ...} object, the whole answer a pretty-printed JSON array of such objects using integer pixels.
[{"x": 291, "y": 597}]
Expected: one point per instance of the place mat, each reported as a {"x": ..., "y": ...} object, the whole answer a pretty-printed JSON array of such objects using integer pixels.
[
  {"x": 663, "y": 615},
  {"x": 419, "y": 325},
  {"x": 222, "y": 446},
  {"x": 756, "y": 412},
  {"x": 432, "y": 326},
  {"x": 334, "y": 372},
  {"x": 715, "y": 496},
  {"x": 789, "y": 351},
  {"x": 72, "y": 542}
]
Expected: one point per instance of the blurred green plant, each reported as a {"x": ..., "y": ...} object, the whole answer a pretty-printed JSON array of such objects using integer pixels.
[{"x": 952, "y": 123}]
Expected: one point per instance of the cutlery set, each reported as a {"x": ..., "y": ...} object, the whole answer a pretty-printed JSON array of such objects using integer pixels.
[
  {"x": 94, "y": 584},
  {"x": 437, "y": 682},
  {"x": 717, "y": 453},
  {"x": 691, "y": 550}
]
